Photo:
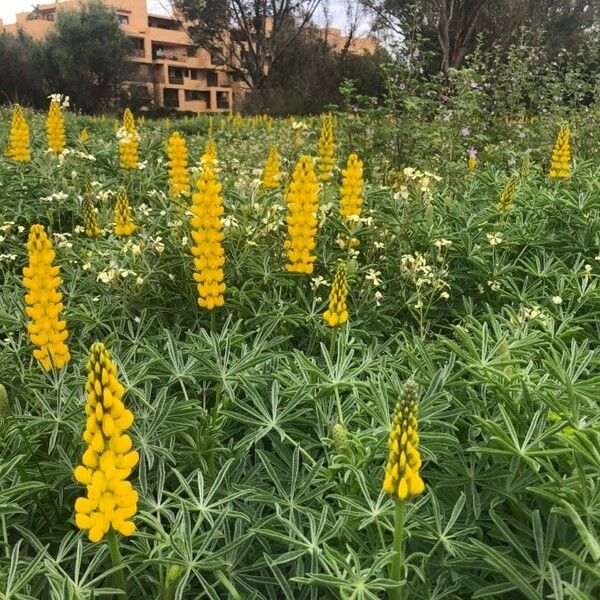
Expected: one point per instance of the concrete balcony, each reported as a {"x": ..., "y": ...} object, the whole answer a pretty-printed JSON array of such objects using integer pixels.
[{"x": 168, "y": 36}]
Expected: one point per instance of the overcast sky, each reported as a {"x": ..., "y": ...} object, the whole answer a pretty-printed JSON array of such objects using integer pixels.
[{"x": 9, "y": 8}]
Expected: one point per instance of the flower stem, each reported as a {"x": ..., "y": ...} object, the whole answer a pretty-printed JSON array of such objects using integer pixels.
[
  {"x": 397, "y": 567},
  {"x": 117, "y": 560},
  {"x": 332, "y": 342}
]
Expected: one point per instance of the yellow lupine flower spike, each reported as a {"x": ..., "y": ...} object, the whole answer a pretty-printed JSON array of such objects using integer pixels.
[
  {"x": 326, "y": 151},
  {"x": 108, "y": 461},
  {"x": 44, "y": 301},
  {"x": 508, "y": 194},
  {"x": 402, "y": 479},
  {"x": 271, "y": 172},
  {"x": 179, "y": 178},
  {"x": 351, "y": 199},
  {"x": 302, "y": 199},
  {"x": 560, "y": 164},
  {"x": 18, "y": 146},
  {"x": 90, "y": 220},
  {"x": 128, "y": 142},
  {"x": 209, "y": 255},
  {"x": 337, "y": 312},
  {"x": 55, "y": 128},
  {"x": 209, "y": 158},
  {"x": 123, "y": 223}
]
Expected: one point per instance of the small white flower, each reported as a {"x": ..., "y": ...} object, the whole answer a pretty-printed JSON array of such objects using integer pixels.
[
  {"x": 316, "y": 282},
  {"x": 378, "y": 297},
  {"x": 374, "y": 277},
  {"x": 139, "y": 280},
  {"x": 557, "y": 299},
  {"x": 494, "y": 239}
]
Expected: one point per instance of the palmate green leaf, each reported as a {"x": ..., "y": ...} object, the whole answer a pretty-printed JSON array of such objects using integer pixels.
[
  {"x": 592, "y": 570},
  {"x": 507, "y": 568}
]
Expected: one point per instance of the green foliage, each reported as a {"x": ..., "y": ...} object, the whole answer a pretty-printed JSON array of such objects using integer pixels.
[
  {"x": 308, "y": 75},
  {"x": 253, "y": 483},
  {"x": 86, "y": 55},
  {"x": 21, "y": 70}
]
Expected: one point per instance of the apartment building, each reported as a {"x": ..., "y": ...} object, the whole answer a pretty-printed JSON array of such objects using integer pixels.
[{"x": 177, "y": 74}]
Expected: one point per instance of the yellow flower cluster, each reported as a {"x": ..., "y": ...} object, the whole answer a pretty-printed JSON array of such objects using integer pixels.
[
  {"x": 90, "y": 222},
  {"x": 44, "y": 301},
  {"x": 110, "y": 500},
  {"x": 209, "y": 158},
  {"x": 18, "y": 147},
  {"x": 128, "y": 142},
  {"x": 472, "y": 161},
  {"x": 506, "y": 198},
  {"x": 402, "y": 479},
  {"x": 560, "y": 164},
  {"x": 84, "y": 135},
  {"x": 337, "y": 313},
  {"x": 326, "y": 151},
  {"x": 352, "y": 189},
  {"x": 123, "y": 223},
  {"x": 177, "y": 153},
  {"x": 209, "y": 256},
  {"x": 55, "y": 128},
  {"x": 271, "y": 172},
  {"x": 302, "y": 200}
]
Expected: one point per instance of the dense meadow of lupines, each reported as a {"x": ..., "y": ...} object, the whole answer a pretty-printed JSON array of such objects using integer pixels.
[{"x": 269, "y": 358}]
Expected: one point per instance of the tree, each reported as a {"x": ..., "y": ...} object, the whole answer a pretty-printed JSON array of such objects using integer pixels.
[
  {"x": 86, "y": 55},
  {"x": 250, "y": 35},
  {"x": 21, "y": 70},
  {"x": 449, "y": 28},
  {"x": 308, "y": 76}
]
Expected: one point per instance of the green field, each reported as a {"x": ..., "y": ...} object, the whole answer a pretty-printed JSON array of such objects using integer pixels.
[{"x": 262, "y": 431}]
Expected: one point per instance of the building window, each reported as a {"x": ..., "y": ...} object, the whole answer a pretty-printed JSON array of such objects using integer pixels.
[
  {"x": 212, "y": 79},
  {"x": 50, "y": 16},
  {"x": 222, "y": 100},
  {"x": 171, "y": 97},
  {"x": 123, "y": 19},
  {"x": 176, "y": 76},
  {"x": 197, "y": 96},
  {"x": 191, "y": 51}
]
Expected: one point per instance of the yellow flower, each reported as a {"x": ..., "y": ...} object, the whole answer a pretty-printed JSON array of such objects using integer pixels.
[
  {"x": 177, "y": 153},
  {"x": 326, "y": 150},
  {"x": 472, "y": 161},
  {"x": 123, "y": 223},
  {"x": 337, "y": 313},
  {"x": 209, "y": 256},
  {"x": 84, "y": 135},
  {"x": 209, "y": 158},
  {"x": 44, "y": 302},
  {"x": 110, "y": 500},
  {"x": 506, "y": 198},
  {"x": 352, "y": 189},
  {"x": 90, "y": 222},
  {"x": 18, "y": 147},
  {"x": 128, "y": 142},
  {"x": 55, "y": 128},
  {"x": 402, "y": 479},
  {"x": 560, "y": 164},
  {"x": 271, "y": 173},
  {"x": 302, "y": 200}
]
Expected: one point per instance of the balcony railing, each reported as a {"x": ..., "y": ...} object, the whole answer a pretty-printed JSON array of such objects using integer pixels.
[{"x": 175, "y": 80}]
